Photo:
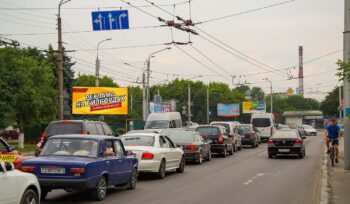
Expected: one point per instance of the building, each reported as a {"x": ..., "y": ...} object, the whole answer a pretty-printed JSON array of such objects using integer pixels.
[{"x": 310, "y": 117}]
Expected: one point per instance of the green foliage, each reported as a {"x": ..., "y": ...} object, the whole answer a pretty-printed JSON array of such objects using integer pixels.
[
  {"x": 27, "y": 93},
  {"x": 329, "y": 106},
  {"x": 343, "y": 70},
  {"x": 89, "y": 80},
  {"x": 258, "y": 93}
]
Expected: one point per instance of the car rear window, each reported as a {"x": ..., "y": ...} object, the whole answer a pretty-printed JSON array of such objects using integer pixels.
[
  {"x": 63, "y": 128},
  {"x": 285, "y": 134},
  {"x": 70, "y": 147},
  {"x": 208, "y": 131},
  {"x": 227, "y": 126},
  {"x": 138, "y": 140},
  {"x": 182, "y": 136},
  {"x": 261, "y": 122},
  {"x": 244, "y": 128}
]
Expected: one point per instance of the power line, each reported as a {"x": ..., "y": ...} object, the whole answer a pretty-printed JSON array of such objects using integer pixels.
[{"x": 245, "y": 12}]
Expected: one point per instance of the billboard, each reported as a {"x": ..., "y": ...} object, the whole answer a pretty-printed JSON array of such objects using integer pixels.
[
  {"x": 228, "y": 110},
  {"x": 254, "y": 107},
  {"x": 100, "y": 101}
]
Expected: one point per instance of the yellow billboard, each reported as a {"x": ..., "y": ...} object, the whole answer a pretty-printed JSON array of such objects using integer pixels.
[{"x": 100, "y": 101}]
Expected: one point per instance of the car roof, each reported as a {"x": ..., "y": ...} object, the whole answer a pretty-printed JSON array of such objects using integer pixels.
[
  {"x": 74, "y": 121},
  {"x": 81, "y": 136}
]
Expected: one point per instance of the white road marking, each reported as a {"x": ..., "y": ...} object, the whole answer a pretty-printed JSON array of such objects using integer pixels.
[{"x": 251, "y": 180}]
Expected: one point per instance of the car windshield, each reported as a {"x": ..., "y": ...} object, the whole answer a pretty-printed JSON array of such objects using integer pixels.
[
  {"x": 63, "y": 128},
  {"x": 227, "y": 126},
  {"x": 182, "y": 136},
  {"x": 285, "y": 134},
  {"x": 244, "y": 128},
  {"x": 70, "y": 147},
  {"x": 157, "y": 124},
  {"x": 138, "y": 140},
  {"x": 261, "y": 122},
  {"x": 210, "y": 131}
]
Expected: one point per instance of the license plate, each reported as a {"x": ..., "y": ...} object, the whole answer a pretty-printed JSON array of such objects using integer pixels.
[
  {"x": 284, "y": 150},
  {"x": 55, "y": 170}
]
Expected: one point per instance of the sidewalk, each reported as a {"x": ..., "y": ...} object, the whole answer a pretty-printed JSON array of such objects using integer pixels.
[{"x": 339, "y": 179}]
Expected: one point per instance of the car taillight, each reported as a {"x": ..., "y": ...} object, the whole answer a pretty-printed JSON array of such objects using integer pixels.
[
  {"x": 270, "y": 142},
  {"x": 298, "y": 142},
  {"x": 84, "y": 133},
  {"x": 77, "y": 170},
  {"x": 147, "y": 155},
  {"x": 191, "y": 147},
  {"x": 221, "y": 139},
  {"x": 29, "y": 169},
  {"x": 43, "y": 135}
]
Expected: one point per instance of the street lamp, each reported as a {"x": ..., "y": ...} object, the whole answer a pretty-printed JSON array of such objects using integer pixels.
[
  {"x": 97, "y": 80},
  {"x": 271, "y": 105},
  {"x": 60, "y": 60},
  {"x": 146, "y": 95}
]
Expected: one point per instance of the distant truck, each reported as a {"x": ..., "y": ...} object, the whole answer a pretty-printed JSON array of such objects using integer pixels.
[{"x": 163, "y": 120}]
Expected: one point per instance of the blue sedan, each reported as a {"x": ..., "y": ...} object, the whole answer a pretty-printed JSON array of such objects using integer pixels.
[{"x": 80, "y": 162}]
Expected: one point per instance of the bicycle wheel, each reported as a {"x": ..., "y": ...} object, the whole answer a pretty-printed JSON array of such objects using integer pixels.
[{"x": 332, "y": 155}]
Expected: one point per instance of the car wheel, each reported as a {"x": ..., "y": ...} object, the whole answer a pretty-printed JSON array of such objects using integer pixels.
[
  {"x": 100, "y": 192},
  {"x": 253, "y": 145},
  {"x": 133, "y": 180},
  {"x": 200, "y": 159},
  {"x": 235, "y": 148},
  {"x": 224, "y": 153},
  {"x": 181, "y": 168},
  {"x": 43, "y": 194},
  {"x": 30, "y": 197},
  {"x": 270, "y": 156},
  {"x": 161, "y": 171},
  {"x": 232, "y": 150},
  {"x": 209, "y": 156}
]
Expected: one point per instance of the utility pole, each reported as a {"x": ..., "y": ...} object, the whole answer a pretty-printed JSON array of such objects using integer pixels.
[
  {"x": 189, "y": 105},
  {"x": 147, "y": 90},
  {"x": 208, "y": 105},
  {"x": 301, "y": 72},
  {"x": 97, "y": 77},
  {"x": 271, "y": 92},
  {"x": 131, "y": 102},
  {"x": 340, "y": 104},
  {"x": 144, "y": 105},
  {"x": 346, "y": 92}
]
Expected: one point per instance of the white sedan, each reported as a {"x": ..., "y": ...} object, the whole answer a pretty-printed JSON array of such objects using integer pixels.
[
  {"x": 17, "y": 187},
  {"x": 156, "y": 153}
]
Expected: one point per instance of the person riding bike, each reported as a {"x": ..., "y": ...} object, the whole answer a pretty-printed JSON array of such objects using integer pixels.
[{"x": 332, "y": 133}]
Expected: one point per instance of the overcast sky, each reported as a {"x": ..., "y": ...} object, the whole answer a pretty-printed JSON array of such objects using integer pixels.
[{"x": 270, "y": 36}]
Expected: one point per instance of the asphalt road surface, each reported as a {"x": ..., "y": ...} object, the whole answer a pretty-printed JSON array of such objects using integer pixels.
[{"x": 246, "y": 177}]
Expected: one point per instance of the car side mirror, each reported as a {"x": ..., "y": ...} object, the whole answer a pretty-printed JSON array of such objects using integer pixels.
[
  {"x": 9, "y": 166},
  {"x": 11, "y": 148},
  {"x": 129, "y": 153}
]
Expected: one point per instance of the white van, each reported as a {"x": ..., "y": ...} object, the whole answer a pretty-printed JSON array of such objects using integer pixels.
[
  {"x": 265, "y": 123},
  {"x": 163, "y": 120}
]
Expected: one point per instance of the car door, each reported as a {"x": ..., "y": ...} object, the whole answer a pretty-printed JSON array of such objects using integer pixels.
[
  {"x": 175, "y": 153},
  {"x": 166, "y": 151},
  {"x": 110, "y": 158},
  {"x": 203, "y": 144},
  {"x": 124, "y": 167},
  {"x": 8, "y": 186}
]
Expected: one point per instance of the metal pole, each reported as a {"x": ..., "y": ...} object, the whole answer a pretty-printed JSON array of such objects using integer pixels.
[
  {"x": 340, "y": 105},
  {"x": 131, "y": 101},
  {"x": 271, "y": 98},
  {"x": 60, "y": 67},
  {"x": 301, "y": 72},
  {"x": 346, "y": 92},
  {"x": 189, "y": 105},
  {"x": 147, "y": 90},
  {"x": 144, "y": 106},
  {"x": 97, "y": 74},
  {"x": 208, "y": 105}
]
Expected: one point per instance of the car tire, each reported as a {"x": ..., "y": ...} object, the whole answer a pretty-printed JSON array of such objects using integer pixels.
[
  {"x": 224, "y": 153},
  {"x": 161, "y": 171},
  {"x": 43, "y": 194},
  {"x": 270, "y": 156},
  {"x": 200, "y": 159},
  {"x": 232, "y": 150},
  {"x": 29, "y": 197},
  {"x": 133, "y": 180},
  {"x": 235, "y": 148},
  {"x": 181, "y": 168},
  {"x": 209, "y": 156},
  {"x": 253, "y": 145},
  {"x": 100, "y": 192}
]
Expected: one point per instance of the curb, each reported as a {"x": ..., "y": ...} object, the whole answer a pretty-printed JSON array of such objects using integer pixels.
[{"x": 325, "y": 190}]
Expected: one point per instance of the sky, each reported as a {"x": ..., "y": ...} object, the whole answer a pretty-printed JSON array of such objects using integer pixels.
[{"x": 244, "y": 48}]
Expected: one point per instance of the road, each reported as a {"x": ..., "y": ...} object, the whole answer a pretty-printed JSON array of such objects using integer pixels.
[{"x": 247, "y": 177}]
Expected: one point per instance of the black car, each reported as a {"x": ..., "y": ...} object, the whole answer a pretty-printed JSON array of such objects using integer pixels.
[
  {"x": 63, "y": 127},
  {"x": 286, "y": 142},
  {"x": 195, "y": 147},
  {"x": 221, "y": 142},
  {"x": 251, "y": 135}
]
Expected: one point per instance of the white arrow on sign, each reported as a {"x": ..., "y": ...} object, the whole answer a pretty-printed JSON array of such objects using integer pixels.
[
  {"x": 123, "y": 15},
  {"x": 99, "y": 20},
  {"x": 111, "y": 21}
]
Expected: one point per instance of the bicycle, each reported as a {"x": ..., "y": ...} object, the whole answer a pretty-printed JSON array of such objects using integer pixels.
[{"x": 331, "y": 151}]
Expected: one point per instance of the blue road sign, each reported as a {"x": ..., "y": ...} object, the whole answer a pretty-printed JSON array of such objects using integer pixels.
[{"x": 110, "y": 20}]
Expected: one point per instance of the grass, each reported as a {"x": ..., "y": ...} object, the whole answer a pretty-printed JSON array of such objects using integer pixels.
[{"x": 27, "y": 147}]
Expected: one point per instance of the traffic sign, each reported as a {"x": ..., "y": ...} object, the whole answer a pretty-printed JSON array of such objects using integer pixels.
[{"x": 110, "y": 20}]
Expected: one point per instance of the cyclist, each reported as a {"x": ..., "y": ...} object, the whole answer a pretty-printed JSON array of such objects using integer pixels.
[{"x": 332, "y": 133}]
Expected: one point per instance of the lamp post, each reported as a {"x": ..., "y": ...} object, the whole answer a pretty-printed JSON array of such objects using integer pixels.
[
  {"x": 271, "y": 105},
  {"x": 97, "y": 76},
  {"x": 60, "y": 60},
  {"x": 146, "y": 95}
]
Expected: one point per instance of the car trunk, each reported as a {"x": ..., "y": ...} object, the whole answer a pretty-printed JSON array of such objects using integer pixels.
[
  {"x": 284, "y": 142},
  {"x": 139, "y": 150}
]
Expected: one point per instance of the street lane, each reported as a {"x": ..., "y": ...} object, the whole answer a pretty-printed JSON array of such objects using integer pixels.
[{"x": 246, "y": 177}]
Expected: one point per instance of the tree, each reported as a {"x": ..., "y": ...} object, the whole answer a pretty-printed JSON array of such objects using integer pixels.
[
  {"x": 257, "y": 94},
  {"x": 27, "y": 93},
  {"x": 330, "y": 104},
  {"x": 89, "y": 80}
]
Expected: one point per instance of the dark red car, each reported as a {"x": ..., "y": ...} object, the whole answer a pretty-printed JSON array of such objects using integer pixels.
[
  {"x": 9, "y": 154},
  {"x": 9, "y": 134}
]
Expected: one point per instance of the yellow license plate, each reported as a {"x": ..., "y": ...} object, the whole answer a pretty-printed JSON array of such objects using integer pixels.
[{"x": 8, "y": 157}]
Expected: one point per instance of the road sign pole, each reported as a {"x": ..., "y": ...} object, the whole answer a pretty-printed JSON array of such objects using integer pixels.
[{"x": 346, "y": 92}]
